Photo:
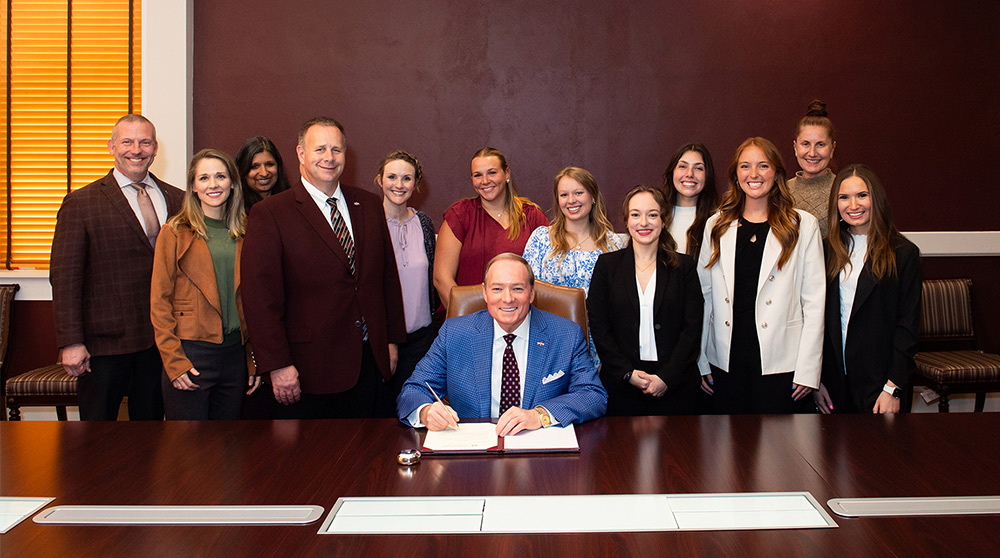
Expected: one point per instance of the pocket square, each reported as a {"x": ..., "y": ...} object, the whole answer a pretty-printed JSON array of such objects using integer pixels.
[{"x": 553, "y": 377}]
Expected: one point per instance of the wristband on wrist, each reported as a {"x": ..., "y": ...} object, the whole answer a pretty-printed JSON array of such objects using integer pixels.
[{"x": 893, "y": 391}]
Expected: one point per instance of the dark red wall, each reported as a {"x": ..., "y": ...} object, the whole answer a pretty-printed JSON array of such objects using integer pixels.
[{"x": 913, "y": 88}]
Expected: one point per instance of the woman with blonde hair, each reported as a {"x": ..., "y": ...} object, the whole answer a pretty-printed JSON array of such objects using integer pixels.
[
  {"x": 761, "y": 272},
  {"x": 195, "y": 302},
  {"x": 564, "y": 253},
  {"x": 475, "y": 229},
  {"x": 872, "y": 300}
]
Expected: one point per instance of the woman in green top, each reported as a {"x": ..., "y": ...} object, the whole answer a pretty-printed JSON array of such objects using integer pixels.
[{"x": 195, "y": 296}]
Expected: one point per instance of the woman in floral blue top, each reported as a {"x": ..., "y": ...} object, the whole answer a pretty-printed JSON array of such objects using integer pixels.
[{"x": 564, "y": 253}]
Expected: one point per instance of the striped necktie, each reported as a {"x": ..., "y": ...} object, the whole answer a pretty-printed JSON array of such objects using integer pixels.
[
  {"x": 343, "y": 235},
  {"x": 347, "y": 243}
]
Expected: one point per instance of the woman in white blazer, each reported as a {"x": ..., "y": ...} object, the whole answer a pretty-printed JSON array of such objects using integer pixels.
[{"x": 763, "y": 278}]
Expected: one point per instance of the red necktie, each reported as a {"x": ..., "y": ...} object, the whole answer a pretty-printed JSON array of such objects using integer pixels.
[{"x": 510, "y": 387}]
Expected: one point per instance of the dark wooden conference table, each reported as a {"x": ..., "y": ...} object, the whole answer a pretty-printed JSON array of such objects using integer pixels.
[{"x": 315, "y": 462}]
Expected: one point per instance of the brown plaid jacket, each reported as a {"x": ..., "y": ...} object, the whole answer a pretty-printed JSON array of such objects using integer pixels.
[{"x": 100, "y": 269}]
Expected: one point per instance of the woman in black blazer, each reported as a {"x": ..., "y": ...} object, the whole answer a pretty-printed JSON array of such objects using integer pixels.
[
  {"x": 875, "y": 281},
  {"x": 645, "y": 309}
]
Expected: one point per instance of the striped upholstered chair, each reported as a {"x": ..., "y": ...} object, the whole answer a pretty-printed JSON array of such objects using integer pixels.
[
  {"x": 946, "y": 323},
  {"x": 46, "y": 386},
  {"x": 42, "y": 387}
]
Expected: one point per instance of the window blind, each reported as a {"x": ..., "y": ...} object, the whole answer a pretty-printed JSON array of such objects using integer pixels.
[{"x": 71, "y": 68}]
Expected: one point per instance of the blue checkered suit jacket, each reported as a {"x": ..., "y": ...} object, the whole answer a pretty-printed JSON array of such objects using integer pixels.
[{"x": 458, "y": 366}]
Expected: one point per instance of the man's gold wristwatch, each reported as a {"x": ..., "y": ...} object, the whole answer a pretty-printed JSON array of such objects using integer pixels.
[{"x": 543, "y": 415}]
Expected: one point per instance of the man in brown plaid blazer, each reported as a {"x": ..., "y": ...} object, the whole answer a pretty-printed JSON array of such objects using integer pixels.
[{"x": 101, "y": 266}]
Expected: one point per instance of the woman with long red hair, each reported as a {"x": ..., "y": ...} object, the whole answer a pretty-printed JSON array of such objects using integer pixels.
[{"x": 761, "y": 272}]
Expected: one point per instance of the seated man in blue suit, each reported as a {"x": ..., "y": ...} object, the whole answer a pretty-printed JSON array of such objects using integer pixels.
[{"x": 523, "y": 366}]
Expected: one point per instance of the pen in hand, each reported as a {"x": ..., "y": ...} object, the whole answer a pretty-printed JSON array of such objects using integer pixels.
[{"x": 434, "y": 393}]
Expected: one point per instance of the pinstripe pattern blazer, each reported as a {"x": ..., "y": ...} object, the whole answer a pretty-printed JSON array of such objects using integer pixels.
[
  {"x": 458, "y": 365},
  {"x": 101, "y": 268}
]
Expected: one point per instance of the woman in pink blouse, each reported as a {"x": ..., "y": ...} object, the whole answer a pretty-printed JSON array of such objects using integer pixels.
[{"x": 412, "y": 234}]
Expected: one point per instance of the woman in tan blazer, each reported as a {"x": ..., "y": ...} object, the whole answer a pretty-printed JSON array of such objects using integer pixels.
[{"x": 195, "y": 302}]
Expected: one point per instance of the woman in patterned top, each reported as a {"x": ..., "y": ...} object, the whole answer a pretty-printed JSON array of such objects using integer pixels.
[{"x": 564, "y": 253}]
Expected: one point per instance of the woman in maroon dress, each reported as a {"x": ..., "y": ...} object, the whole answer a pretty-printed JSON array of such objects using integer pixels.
[{"x": 475, "y": 229}]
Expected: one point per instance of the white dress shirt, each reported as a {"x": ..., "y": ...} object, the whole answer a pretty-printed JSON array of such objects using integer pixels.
[
  {"x": 520, "y": 347},
  {"x": 849, "y": 285},
  {"x": 647, "y": 337}
]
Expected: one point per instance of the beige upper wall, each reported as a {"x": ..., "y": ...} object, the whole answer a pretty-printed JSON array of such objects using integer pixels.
[{"x": 167, "y": 66}]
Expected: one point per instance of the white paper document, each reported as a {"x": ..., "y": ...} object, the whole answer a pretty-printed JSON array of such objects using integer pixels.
[
  {"x": 577, "y": 513},
  {"x": 556, "y": 438},
  {"x": 470, "y": 436},
  {"x": 14, "y": 510},
  {"x": 482, "y": 437}
]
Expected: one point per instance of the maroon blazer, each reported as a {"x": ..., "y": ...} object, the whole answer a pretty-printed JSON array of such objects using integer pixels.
[
  {"x": 100, "y": 269},
  {"x": 301, "y": 303}
]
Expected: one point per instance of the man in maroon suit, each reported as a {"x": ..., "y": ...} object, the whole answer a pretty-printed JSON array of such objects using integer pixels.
[
  {"x": 320, "y": 289},
  {"x": 101, "y": 265}
]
